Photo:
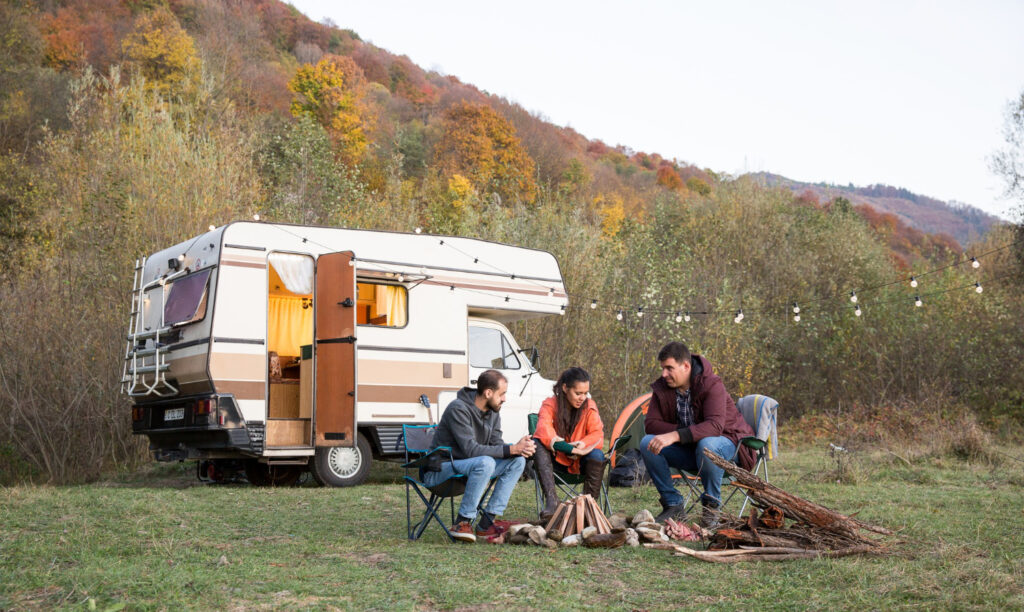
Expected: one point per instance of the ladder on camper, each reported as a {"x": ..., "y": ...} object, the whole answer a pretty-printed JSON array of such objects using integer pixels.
[{"x": 145, "y": 357}]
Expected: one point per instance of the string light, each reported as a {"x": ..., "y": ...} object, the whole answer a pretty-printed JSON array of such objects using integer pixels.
[
  {"x": 256, "y": 217},
  {"x": 401, "y": 278},
  {"x": 593, "y": 304},
  {"x": 853, "y": 297},
  {"x": 913, "y": 281},
  {"x": 739, "y": 316},
  {"x": 796, "y": 318},
  {"x": 686, "y": 317},
  {"x": 562, "y": 311},
  {"x": 551, "y": 292},
  {"x": 856, "y": 310},
  {"x": 640, "y": 312},
  {"x": 975, "y": 263},
  {"x": 618, "y": 316},
  {"x": 917, "y": 301},
  {"x": 796, "y": 309},
  {"x": 213, "y": 227},
  {"x": 418, "y": 230},
  {"x": 679, "y": 317},
  {"x": 977, "y": 287}
]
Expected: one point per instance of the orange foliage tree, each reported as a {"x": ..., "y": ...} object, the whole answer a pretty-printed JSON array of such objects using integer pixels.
[
  {"x": 331, "y": 92},
  {"x": 481, "y": 145},
  {"x": 668, "y": 178}
]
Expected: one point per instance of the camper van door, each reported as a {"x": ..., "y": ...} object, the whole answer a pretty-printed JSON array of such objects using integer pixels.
[
  {"x": 491, "y": 347},
  {"x": 334, "y": 406}
]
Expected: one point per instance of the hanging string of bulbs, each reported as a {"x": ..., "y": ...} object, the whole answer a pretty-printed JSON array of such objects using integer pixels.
[{"x": 685, "y": 315}]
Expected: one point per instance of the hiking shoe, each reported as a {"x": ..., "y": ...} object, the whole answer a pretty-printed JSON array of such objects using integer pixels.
[
  {"x": 463, "y": 532},
  {"x": 676, "y": 513},
  {"x": 494, "y": 530}
]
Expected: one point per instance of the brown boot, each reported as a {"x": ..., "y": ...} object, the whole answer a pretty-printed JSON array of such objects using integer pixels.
[
  {"x": 593, "y": 476},
  {"x": 542, "y": 465}
]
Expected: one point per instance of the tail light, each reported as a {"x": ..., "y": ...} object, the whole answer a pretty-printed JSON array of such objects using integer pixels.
[{"x": 204, "y": 406}]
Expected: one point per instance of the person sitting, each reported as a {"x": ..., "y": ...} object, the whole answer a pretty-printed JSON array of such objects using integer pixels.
[
  {"x": 471, "y": 427},
  {"x": 690, "y": 411},
  {"x": 569, "y": 431}
]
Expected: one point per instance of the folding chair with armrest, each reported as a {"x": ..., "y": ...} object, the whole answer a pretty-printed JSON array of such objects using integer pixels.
[
  {"x": 422, "y": 456},
  {"x": 567, "y": 482}
]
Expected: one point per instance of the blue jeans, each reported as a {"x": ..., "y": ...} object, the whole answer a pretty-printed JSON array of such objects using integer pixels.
[
  {"x": 479, "y": 471},
  {"x": 689, "y": 457}
]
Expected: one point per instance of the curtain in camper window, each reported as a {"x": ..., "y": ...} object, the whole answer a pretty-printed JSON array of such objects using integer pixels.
[
  {"x": 391, "y": 301},
  {"x": 296, "y": 271},
  {"x": 289, "y": 325}
]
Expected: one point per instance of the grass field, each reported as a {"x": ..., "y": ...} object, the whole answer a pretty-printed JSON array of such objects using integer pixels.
[{"x": 159, "y": 540}]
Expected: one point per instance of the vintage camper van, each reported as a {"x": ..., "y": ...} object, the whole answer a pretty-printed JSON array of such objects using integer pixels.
[{"x": 283, "y": 348}]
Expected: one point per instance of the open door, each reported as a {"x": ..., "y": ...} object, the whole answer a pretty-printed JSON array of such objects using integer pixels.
[{"x": 335, "y": 395}]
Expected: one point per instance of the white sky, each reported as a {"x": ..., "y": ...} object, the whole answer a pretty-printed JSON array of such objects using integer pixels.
[{"x": 911, "y": 94}]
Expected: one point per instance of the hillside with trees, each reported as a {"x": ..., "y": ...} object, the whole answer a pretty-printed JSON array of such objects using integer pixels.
[{"x": 128, "y": 125}]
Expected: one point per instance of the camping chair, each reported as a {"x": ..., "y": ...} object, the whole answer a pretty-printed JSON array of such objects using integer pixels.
[
  {"x": 567, "y": 482},
  {"x": 420, "y": 456},
  {"x": 760, "y": 412}
]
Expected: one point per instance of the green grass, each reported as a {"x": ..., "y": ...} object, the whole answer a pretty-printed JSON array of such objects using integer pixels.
[{"x": 157, "y": 540}]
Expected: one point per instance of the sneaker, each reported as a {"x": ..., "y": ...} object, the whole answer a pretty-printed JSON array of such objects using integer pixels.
[
  {"x": 676, "y": 513},
  {"x": 496, "y": 528},
  {"x": 463, "y": 532}
]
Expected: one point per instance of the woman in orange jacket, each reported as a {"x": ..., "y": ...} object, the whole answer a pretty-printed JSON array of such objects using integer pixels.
[{"x": 569, "y": 431}]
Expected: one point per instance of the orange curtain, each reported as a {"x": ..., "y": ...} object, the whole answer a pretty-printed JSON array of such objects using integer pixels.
[{"x": 289, "y": 325}]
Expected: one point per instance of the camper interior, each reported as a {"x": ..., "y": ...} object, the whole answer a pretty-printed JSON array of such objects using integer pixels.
[{"x": 289, "y": 350}]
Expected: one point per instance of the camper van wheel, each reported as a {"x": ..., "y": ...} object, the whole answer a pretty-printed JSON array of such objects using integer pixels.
[
  {"x": 263, "y": 475},
  {"x": 339, "y": 466}
]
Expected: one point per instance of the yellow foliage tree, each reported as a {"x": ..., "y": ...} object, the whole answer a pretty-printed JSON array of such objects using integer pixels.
[
  {"x": 460, "y": 191},
  {"x": 330, "y": 93},
  {"x": 481, "y": 145},
  {"x": 164, "y": 54},
  {"x": 612, "y": 211}
]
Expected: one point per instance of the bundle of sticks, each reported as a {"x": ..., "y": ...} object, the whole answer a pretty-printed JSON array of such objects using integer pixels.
[
  {"x": 575, "y": 515},
  {"x": 817, "y": 531}
]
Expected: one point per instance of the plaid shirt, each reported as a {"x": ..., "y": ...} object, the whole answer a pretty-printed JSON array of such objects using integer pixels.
[{"x": 684, "y": 412}]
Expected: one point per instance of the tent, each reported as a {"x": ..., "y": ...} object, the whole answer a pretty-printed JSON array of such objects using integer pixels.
[{"x": 631, "y": 421}]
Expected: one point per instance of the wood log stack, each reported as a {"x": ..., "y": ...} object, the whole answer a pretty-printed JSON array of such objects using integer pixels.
[
  {"x": 575, "y": 521},
  {"x": 817, "y": 531}
]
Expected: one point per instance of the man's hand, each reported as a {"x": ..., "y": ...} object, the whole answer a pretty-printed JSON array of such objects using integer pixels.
[
  {"x": 661, "y": 441},
  {"x": 524, "y": 447}
]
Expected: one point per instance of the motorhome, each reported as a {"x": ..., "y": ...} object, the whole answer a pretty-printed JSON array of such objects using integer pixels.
[{"x": 283, "y": 348}]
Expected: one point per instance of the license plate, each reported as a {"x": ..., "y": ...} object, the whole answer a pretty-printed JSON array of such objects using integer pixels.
[{"x": 174, "y": 414}]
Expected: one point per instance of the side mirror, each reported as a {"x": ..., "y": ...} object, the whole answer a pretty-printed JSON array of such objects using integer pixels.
[{"x": 533, "y": 356}]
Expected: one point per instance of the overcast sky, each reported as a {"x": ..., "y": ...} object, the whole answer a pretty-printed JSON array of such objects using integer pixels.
[{"x": 911, "y": 94}]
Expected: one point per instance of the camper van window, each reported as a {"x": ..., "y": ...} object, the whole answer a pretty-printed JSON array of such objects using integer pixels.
[
  {"x": 488, "y": 348},
  {"x": 186, "y": 299},
  {"x": 382, "y": 305}
]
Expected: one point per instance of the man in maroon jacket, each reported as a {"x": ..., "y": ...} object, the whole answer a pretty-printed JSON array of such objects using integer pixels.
[{"x": 690, "y": 411}]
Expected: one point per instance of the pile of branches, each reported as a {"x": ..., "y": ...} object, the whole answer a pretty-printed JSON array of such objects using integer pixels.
[{"x": 815, "y": 531}]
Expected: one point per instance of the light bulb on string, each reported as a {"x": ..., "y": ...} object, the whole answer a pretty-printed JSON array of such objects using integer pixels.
[
  {"x": 853, "y": 297},
  {"x": 856, "y": 311},
  {"x": 679, "y": 317},
  {"x": 686, "y": 317},
  {"x": 551, "y": 292},
  {"x": 796, "y": 309},
  {"x": 562, "y": 311},
  {"x": 401, "y": 278},
  {"x": 796, "y": 318},
  {"x": 977, "y": 287},
  {"x": 917, "y": 301},
  {"x": 640, "y": 312},
  {"x": 256, "y": 217},
  {"x": 913, "y": 281},
  {"x": 739, "y": 316},
  {"x": 418, "y": 230},
  {"x": 618, "y": 316},
  {"x": 975, "y": 263},
  {"x": 593, "y": 304},
  {"x": 213, "y": 227}
]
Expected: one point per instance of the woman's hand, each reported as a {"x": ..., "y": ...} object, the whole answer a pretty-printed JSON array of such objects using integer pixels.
[{"x": 582, "y": 450}]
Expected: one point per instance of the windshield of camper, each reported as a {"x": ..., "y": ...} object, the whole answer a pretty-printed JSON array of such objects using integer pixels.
[{"x": 186, "y": 299}]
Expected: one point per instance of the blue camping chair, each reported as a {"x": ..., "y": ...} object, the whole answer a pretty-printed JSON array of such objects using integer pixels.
[{"x": 421, "y": 456}]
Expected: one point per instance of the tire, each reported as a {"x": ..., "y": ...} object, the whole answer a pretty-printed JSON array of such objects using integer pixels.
[
  {"x": 263, "y": 475},
  {"x": 337, "y": 466}
]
